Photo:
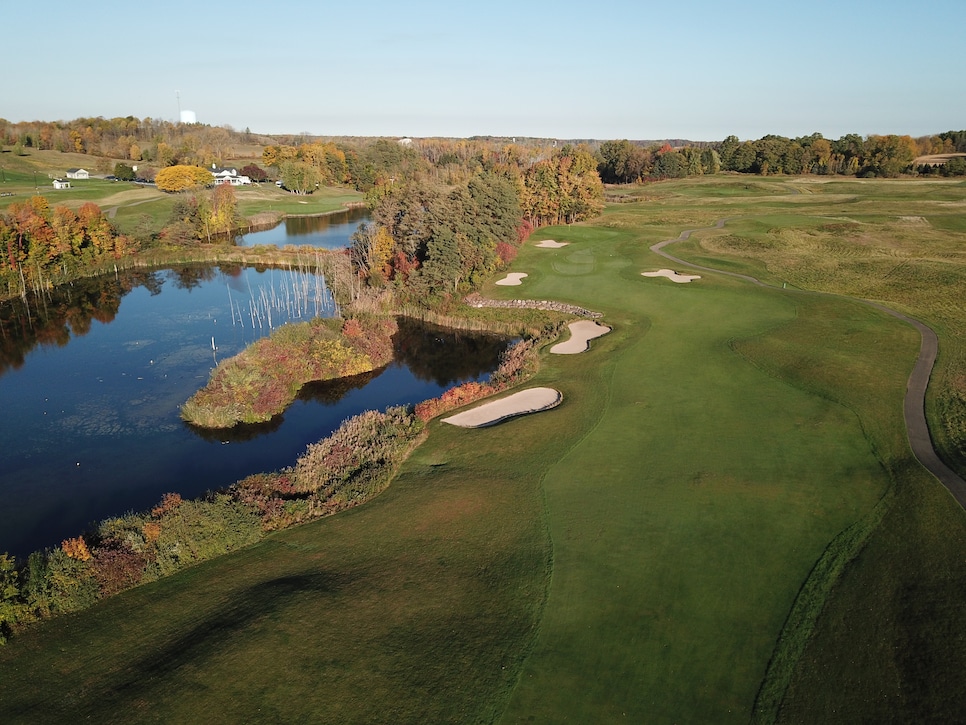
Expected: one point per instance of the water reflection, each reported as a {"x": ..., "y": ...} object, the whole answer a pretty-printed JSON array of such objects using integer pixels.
[
  {"x": 439, "y": 354},
  {"x": 329, "y": 231},
  {"x": 93, "y": 375},
  {"x": 260, "y": 301}
]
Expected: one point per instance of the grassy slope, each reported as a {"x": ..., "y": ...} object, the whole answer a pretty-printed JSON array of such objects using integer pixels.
[{"x": 706, "y": 454}]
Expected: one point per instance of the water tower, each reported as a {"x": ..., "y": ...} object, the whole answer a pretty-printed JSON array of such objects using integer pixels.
[{"x": 186, "y": 116}]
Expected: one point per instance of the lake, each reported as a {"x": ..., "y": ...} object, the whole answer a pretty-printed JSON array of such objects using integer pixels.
[
  {"x": 92, "y": 377},
  {"x": 329, "y": 231}
]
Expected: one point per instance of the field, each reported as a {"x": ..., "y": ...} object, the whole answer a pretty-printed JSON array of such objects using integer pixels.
[
  {"x": 137, "y": 207},
  {"x": 721, "y": 523}
]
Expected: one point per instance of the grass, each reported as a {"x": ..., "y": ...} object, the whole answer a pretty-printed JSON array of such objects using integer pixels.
[
  {"x": 686, "y": 520},
  {"x": 888, "y": 634},
  {"x": 362, "y": 620},
  {"x": 135, "y": 206},
  {"x": 723, "y": 512}
]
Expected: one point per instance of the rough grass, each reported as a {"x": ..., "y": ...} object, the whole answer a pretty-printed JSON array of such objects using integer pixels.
[{"x": 634, "y": 554}]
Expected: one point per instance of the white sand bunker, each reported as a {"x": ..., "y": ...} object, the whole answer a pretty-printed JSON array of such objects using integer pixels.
[
  {"x": 581, "y": 333},
  {"x": 526, "y": 401},
  {"x": 551, "y": 244},
  {"x": 672, "y": 275},
  {"x": 512, "y": 279}
]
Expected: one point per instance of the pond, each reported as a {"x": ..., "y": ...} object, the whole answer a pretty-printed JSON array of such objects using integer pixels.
[
  {"x": 92, "y": 377},
  {"x": 328, "y": 231}
]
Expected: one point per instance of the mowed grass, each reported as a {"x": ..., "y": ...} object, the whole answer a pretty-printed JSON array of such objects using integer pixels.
[
  {"x": 899, "y": 242},
  {"x": 418, "y": 607},
  {"x": 888, "y": 644},
  {"x": 631, "y": 555},
  {"x": 686, "y": 521}
]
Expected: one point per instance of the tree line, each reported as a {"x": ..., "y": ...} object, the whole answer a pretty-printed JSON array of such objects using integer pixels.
[
  {"x": 434, "y": 242},
  {"x": 623, "y": 161},
  {"x": 39, "y": 243}
]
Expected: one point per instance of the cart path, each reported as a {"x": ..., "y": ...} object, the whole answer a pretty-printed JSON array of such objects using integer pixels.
[{"x": 914, "y": 404}]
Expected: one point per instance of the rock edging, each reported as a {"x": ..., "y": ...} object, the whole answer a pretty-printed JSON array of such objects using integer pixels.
[{"x": 476, "y": 300}]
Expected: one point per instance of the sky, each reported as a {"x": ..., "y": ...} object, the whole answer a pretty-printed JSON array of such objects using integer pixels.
[{"x": 689, "y": 69}]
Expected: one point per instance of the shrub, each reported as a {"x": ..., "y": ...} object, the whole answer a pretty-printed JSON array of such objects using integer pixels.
[
  {"x": 76, "y": 548},
  {"x": 10, "y": 603},
  {"x": 262, "y": 380},
  {"x": 117, "y": 568},
  {"x": 200, "y": 530},
  {"x": 360, "y": 452},
  {"x": 506, "y": 252}
]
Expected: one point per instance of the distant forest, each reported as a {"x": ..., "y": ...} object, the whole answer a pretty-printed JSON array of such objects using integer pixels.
[
  {"x": 365, "y": 163},
  {"x": 446, "y": 212}
]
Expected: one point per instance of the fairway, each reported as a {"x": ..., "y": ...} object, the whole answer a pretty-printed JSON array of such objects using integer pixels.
[
  {"x": 686, "y": 520},
  {"x": 721, "y": 522}
]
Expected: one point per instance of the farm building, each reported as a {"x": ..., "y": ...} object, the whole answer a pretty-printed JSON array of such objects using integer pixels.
[{"x": 78, "y": 174}]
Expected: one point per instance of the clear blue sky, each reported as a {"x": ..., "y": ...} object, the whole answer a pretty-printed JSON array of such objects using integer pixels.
[{"x": 696, "y": 69}]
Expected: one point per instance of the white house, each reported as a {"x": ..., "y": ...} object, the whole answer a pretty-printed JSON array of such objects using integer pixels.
[
  {"x": 228, "y": 176},
  {"x": 61, "y": 184},
  {"x": 78, "y": 174}
]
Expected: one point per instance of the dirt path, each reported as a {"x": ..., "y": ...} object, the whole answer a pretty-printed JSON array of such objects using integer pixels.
[
  {"x": 112, "y": 211},
  {"x": 914, "y": 404}
]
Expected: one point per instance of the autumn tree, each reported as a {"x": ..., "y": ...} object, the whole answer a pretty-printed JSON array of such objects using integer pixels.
[
  {"x": 820, "y": 151},
  {"x": 217, "y": 210},
  {"x": 183, "y": 178},
  {"x": 563, "y": 189},
  {"x": 253, "y": 172},
  {"x": 300, "y": 177},
  {"x": 888, "y": 155},
  {"x": 276, "y": 155},
  {"x": 372, "y": 248}
]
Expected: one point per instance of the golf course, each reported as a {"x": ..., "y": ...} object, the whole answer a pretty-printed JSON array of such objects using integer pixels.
[{"x": 721, "y": 521}]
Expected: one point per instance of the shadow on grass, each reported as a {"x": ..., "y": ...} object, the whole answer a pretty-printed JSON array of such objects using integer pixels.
[{"x": 190, "y": 648}]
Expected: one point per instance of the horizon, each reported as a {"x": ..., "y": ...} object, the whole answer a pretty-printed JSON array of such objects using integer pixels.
[{"x": 700, "y": 71}]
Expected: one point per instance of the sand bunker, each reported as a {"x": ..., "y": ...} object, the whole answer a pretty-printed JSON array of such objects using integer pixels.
[
  {"x": 672, "y": 275},
  {"x": 526, "y": 401},
  {"x": 512, "y": 279},
  {"x": 551, "y": 244},
  {"x": 581, "y": 333}
]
